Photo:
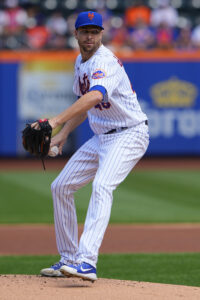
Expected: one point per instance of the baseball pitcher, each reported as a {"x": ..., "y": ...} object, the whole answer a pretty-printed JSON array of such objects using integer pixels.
[{"x": 106, "y": 98}]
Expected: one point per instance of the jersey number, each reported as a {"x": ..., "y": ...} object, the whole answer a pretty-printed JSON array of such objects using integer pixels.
[{"x": 103, "y": 105}]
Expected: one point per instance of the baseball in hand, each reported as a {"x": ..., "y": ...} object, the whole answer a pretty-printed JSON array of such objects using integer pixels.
[{"x": 53, "y": 151}]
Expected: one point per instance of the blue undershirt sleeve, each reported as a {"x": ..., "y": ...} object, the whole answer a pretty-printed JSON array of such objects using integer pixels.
[{"x": 101, "y": 89}]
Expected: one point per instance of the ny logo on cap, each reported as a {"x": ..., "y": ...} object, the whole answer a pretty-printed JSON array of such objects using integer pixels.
[{"x": 90, "y": 16}]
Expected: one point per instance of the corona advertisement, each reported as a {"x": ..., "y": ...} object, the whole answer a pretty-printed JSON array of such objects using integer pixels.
[{"x": 169, "y": 94}]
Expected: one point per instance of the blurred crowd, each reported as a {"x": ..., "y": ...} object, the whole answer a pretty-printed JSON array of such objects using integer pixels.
[{"x": 129, "y": 25}]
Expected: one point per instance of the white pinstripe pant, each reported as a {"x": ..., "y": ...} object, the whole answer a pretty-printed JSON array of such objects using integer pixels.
[{"x": 107, "y": 160}]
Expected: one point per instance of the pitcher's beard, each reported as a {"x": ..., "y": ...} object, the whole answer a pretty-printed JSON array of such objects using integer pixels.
[{"x": 88, "y": 50}]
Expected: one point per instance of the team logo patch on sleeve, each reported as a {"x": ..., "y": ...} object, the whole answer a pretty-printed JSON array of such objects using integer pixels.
[{"x": 99, "y": 74}]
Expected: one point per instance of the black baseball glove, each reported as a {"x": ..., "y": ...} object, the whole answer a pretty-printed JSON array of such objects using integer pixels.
[{"x": 37, "y": 141}]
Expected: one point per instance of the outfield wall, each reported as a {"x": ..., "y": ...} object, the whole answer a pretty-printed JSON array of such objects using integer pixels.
[{"x": 37, "y": 85}]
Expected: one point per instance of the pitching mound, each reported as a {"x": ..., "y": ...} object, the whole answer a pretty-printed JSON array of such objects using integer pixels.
[{"x": 25, "y": 287}]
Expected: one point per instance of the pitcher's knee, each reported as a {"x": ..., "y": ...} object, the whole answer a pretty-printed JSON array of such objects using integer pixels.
[
  {"x": 61, "y": 187},
  {"x": 55, "y": 187}
]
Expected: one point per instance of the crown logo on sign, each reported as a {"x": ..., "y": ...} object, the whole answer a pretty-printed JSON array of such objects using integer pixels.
[
  {"x": 90, "y": 16},
  {"x": 174, "y": 93}
]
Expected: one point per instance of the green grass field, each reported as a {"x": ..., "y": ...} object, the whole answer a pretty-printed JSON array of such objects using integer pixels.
[
  {"x": 144, "y": 197},
  {"x": 163, "y": 268}
]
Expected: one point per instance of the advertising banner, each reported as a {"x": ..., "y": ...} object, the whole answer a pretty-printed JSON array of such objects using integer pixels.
[
  {"x": 168, "y": 89},
  {"x": 8, "y": 108},
  {"x": 169, "y": 94},
  {"x": 45, "y": 89}
]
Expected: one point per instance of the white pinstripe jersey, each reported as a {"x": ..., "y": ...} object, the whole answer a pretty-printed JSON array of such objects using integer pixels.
[{"x": 120, "y": 107}]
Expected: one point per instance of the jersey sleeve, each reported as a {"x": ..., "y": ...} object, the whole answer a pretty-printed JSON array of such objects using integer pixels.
[{"x": 105, "y": 74}]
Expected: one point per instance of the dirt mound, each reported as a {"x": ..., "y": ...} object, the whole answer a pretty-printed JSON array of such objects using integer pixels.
[{"x": 26, "y": 287}]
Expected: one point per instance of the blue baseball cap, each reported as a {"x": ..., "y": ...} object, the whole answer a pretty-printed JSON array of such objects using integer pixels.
[{"x": 89, "y": 18}]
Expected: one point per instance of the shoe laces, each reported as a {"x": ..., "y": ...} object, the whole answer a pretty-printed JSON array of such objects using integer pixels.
[{"x": 58, "y": 264}]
